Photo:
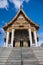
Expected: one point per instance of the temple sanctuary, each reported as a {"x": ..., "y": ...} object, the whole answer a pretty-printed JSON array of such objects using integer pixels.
[
  {"x": 21, "y": 42},
  {"x": 21, "y": 31}
]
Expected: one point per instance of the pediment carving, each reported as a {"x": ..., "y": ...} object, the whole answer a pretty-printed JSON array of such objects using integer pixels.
[{"x": 21, "y": 20}]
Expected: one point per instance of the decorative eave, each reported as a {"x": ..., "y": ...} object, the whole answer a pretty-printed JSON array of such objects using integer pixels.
[{"x": 21, "y": 10}]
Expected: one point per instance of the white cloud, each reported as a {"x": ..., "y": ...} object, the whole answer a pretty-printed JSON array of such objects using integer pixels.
[
  {"x": 2, "y": 31},
  {"x": 27, "y": 1},
  {"x": 18, "y": 3},
  {"x": 4, "y": 4}
]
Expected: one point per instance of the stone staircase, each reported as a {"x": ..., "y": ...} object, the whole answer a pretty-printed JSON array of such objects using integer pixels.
[
  {"x": 39, "y": 54},
  {"x": 25, "y": 54},
  {"x": 29, "y": 57},
  {"x": 4, "y": 54},
  {"x": 15, "y": 57},
  {"x": 21, "y": 56}
]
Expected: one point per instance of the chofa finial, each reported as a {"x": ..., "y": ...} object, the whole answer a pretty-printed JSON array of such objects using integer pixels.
[{"x": 20, "y": 6}]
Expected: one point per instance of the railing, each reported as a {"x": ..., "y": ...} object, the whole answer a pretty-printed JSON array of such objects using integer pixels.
[{"x": 21, "y": 57}]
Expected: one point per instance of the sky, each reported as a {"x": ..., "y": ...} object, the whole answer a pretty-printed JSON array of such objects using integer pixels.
[{"x": 32, "y": 8}]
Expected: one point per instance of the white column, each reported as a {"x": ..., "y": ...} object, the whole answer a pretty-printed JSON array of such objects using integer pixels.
[
  {"x": 12, "y": 37},
  {"x": 30, "y": 36},
  {"x": 7, "y": 39},
  {"x": 35, "y": 38}
]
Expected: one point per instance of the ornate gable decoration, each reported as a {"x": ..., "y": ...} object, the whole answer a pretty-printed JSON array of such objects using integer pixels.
[{"x": 20, "y": 19}]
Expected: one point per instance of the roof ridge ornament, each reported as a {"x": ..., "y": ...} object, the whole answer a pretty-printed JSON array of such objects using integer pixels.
[{"x": 20, "y": 7}]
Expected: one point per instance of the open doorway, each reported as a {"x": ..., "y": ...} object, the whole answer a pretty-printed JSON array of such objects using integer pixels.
[
  {"x": 21, "y": 43},
  {"x": 28, "y": 43},
  {"x": 21, "y": 34},
  {"x": 13, "y": 43}
]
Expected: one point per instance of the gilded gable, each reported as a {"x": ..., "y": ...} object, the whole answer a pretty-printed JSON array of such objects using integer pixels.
[{"x": 20, "y": 20}]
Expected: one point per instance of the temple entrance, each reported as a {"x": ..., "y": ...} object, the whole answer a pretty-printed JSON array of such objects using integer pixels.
[
  {"x": 13, "y": 43},
  {"x": 28, "y": 43},
  {"x": 21, "y": 43},
  {"x": 21, "y": 38}
]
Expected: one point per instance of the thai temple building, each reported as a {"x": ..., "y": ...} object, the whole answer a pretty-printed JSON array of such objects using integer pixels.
[
  {"x": 21, "y": 42},
  {"x": 21, "y": 31}
]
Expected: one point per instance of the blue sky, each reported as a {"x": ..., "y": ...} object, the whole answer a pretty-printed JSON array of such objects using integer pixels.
[{"x": 32, "y": 8}]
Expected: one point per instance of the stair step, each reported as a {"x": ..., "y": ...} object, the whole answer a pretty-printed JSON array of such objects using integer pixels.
[{"x": 12, "y": 56}]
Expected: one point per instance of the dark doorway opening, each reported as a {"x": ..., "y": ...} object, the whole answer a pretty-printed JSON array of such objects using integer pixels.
[
  {"x": 21, "y": 43},
  {"x": 28, "y": 43},
  {"x": 13, "y": 43}
]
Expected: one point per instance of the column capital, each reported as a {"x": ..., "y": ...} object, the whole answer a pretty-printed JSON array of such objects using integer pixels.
[
  {"x": 13, "y": 26},
  {"x": 29, "y": 29},
  {"x": 29, "y": 26},
  {"x": 13, "y": 29},
  {"x": 33, "y": 29}
]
